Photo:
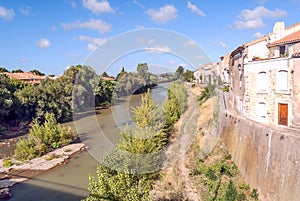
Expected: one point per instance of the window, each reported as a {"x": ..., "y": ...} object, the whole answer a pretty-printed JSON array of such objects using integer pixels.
[
  {"x": 282, "y": 81},
  {"x": 282, "y": 50},
  {"x": 262, "y": 110},
  {"x": 262, "y": 82}
]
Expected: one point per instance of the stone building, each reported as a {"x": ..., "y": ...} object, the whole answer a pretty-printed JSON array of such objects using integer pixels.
[
  {"x": 265, "y": 78},
  {"x": 208, "y": 73}
]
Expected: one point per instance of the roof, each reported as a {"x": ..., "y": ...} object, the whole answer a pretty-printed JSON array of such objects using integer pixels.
[
  {"x": 30, "y": 77},
  {"x": 109, "y": 78},
  {"x": 291, "y": 38},
  {"x": 256, "y": 41}
]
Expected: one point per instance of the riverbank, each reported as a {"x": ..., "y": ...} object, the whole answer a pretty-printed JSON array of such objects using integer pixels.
[{"x": 17, "y": 173}]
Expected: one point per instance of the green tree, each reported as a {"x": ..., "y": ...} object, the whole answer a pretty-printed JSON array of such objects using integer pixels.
[
  {"x": 188, "y": 75},
  {"x": 37, "y": 72},
  {"x": 122, "y": 72},
  {"x": 3, "y": 70},
  {"x": 142, "y": 69},
  {"x": 17, "y": 71},
  {"x": 104, "y": 74},
  {"x": 122, "y": 177},
  {"x": 179, "y": 71}
]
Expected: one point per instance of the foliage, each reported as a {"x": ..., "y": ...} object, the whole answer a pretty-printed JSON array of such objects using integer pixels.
[
  {"x": 37, "y": 72},
  {"x": 134, "y": 83},
  {"x": 231, "y": 192},
  {"x": 254, "y": 194},
  {"x": 179, "y": 71},
  {"x": 17, "y": 71},
  {"x": 208, "y": 92},
  {"x": 43, "y": 138},
  {"x": 7, "y": 163},
  {"x": 220, "y": 178},
  {"x": 176, "y": 103},
  {"x": 127, "y": 172},
  {"x": 110, "y": 185},
  {"x": 3, "y": 70},
  {"x": 188, "y": 75},
  {"x": 225, "y": 89},
  {"x": 103, "y": 92}
]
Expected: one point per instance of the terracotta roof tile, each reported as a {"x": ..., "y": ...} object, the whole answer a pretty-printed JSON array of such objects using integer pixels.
[
  {"x": 27, "y": 77},
  {"x": 291, "y": 38}
]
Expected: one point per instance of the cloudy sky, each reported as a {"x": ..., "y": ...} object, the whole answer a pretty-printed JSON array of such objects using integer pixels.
[{"x": 51, "y": 35}]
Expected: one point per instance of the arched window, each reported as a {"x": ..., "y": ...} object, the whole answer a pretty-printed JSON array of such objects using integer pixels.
[
  {"x": 282, "y": 81},
  {"x": 262, "y": 82}
]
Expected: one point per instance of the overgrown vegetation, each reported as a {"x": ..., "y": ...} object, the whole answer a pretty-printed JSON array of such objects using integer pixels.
[
  {"x": 220, "y": 178},
  {"x": 208, "y": 92},
  {"x": 43, "y": 138},
  {"x": 128, "y": 172}
]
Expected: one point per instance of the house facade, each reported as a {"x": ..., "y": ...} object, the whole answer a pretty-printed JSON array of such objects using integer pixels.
[
  {"x": 265, "y": 79},
  {"x": 208, "y": 73}
]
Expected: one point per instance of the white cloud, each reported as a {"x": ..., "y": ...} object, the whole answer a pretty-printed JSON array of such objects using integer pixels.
[
  {"x": 195, "y": 9},
  {"x": 43, "y": 43},
  {"x": 98, "y": 7},
  {"x": 163, "y": 15},
  {"x": 93, "y": 24},
  {"x": 6, "y": 14},
  {"x": 258, "y": 35},
  {"x": 94, "y": 43},
  {"x": 25, "y": 10},
  {"x": 249, "y": 24},
  {"x": 253, "y": 19},
  {"x": 190, "y": 43},
  {"x": 261, "y": 12},
  {"x": 158, "y": 49}
]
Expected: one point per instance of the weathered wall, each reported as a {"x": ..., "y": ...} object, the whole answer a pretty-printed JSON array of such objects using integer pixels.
[{"x": 268, "y": 158}]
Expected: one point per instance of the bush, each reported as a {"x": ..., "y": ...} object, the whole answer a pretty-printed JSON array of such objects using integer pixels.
[
  {"x": 231, "y": 192},
  {"x": 254, "y": 194},
  {"x": 7, "y": 163},
  {"x": 43, "y": 138},
  {"x": 209, "y": 91}
]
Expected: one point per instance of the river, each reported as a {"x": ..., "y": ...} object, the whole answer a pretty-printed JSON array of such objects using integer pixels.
[{"x": 70, "y": 181}]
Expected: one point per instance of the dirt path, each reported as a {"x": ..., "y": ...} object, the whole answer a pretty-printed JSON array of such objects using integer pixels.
[{"x": 176, "y": 184}]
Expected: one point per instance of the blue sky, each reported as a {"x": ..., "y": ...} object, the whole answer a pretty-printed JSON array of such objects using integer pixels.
[{"x": 51, "y": 35}]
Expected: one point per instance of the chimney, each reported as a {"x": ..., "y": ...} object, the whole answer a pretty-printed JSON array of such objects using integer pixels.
[{"x": 278, "y": 30}]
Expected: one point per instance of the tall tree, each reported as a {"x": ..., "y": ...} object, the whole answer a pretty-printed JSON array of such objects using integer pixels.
[{"x": 179, "y": 71}]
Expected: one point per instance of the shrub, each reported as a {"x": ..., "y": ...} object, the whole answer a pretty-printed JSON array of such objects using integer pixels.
[
  {"x": 254, "y": 194},
  {"x": 231, "y": 192},
  {"x": 42, "y": 138},
  {"x": 209, "y": 91},
  {"x": 7, "y": 163}
]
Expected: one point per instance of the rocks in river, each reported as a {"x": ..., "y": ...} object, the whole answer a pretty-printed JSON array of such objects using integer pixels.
[{"x": 4, "y": 193}]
